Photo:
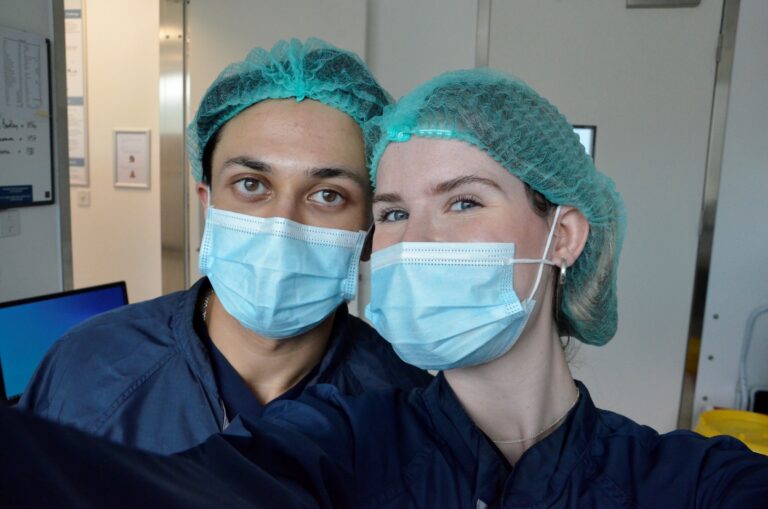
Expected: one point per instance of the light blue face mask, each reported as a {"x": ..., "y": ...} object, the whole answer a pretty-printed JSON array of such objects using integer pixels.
[
  {"x": 277, "y": 277},
  {"x": 450, "y": 305}
]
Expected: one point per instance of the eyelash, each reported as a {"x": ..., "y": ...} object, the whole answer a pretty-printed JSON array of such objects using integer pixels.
[
  {"x": 467, "y": 198},
  {"x": 382, "y": 215},
  {"x": 241, "y": 182},
  {"x": 338, "y": 194}
]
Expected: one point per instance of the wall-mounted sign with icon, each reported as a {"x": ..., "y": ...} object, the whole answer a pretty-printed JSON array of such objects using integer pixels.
[{"x": 132, "y": 162}]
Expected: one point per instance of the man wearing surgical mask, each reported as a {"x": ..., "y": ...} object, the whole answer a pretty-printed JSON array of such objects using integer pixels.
[{"x": 277, "y": 150}]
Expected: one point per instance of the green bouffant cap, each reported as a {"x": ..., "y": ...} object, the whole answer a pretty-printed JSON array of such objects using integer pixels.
[
  {"x": 528, "y": 136},
  {"x": 312, "y": 70}
]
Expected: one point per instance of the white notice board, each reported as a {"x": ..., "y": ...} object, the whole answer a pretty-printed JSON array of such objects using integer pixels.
[{"x": 26, "y": 167}]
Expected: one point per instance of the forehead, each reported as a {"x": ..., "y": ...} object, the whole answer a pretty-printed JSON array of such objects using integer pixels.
[
  {"x": 289, "y": 135},
  {"x": 421, "y": 163},
  {"x": 275, "y": 117}
]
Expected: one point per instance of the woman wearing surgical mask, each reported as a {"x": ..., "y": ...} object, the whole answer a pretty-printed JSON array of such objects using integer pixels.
[{"x": 495, "y": 235}]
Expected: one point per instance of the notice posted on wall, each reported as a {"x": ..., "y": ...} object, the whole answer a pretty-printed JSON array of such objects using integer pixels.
[
  {"x": 77, "y": 118},
  {"x": 26, "y": 171}
]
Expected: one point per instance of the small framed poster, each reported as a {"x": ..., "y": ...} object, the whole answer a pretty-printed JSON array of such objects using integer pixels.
[{"x": 132, "y": 161}]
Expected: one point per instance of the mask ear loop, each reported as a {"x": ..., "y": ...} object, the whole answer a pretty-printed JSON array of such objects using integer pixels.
[
  {"x": 546, "y": 251},
  {"x": 365, "y": 254}
]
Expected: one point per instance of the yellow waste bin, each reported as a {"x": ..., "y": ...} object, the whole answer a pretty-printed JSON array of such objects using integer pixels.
[{"x": 749, "y": 427}]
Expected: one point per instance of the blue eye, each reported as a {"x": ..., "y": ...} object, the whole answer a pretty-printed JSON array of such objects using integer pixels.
[{"x": 392, "y": 215}]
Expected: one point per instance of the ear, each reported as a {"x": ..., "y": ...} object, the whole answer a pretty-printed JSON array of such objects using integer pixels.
[
  {"x": 571, "y": 235},
  {"x": 202, "y": 194}
]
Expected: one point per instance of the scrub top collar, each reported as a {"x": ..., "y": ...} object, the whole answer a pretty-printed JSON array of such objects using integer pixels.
[
  {"x": 184, "y": 323},
  {"x": 540, "y": 475},
  {"x": 235, "y": 394}
]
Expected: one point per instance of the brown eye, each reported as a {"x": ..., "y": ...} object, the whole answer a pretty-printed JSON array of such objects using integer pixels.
[
  {"x": 327, "y": 197},
  {"x": 250, "y": 186}
]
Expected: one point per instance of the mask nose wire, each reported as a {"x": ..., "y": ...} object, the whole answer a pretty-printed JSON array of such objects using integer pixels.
[{"x": 546, "y": 251}]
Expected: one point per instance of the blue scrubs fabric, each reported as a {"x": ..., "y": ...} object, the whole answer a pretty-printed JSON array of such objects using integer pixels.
[
  {"x": 421, "y": 449},
  {"x": 143, "y": 375},
  {"x": 416, "y": 449}
]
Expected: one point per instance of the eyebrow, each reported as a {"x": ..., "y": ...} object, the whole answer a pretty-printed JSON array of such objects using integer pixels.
[
  {"x": 442, "y": 187},
  {"x": 327, "y": 173},
  {"x": 253, "y": 164},
  {"x": 321, "y": 173},
  {"x": 387, "y": 198},
  {"x": 450, "y": 185}
]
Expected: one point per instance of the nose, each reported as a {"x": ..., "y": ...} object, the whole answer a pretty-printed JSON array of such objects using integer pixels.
[
  {"x": 421, "y": 229},
  {"x": 286, "y": 206}
]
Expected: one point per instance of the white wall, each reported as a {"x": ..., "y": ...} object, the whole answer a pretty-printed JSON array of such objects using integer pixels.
[
  {"x": 31, "y": 262},
  {"x": 738, "y": 279},
  {"x": 645, "y": 78},
  {"x": 410, "y": 41},
  {"x": 117, "y": 237}
]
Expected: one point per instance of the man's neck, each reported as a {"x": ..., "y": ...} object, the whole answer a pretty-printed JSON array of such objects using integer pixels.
[{"x": 269, "y": 367}]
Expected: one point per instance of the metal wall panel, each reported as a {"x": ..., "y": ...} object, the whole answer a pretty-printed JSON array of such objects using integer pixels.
[{"x": 173, "y": 174}]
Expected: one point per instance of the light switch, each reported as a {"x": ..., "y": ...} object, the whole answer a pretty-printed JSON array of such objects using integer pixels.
[
  {"x": 10, "y": 224},
  {"x": 83, "y": 198}
]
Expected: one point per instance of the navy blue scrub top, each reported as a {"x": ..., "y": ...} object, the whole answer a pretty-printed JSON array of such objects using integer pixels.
[
  {"x": 386, "y": 449},
  {"x": 235, "y": 394},
  {"x": 143, "y": 376}
]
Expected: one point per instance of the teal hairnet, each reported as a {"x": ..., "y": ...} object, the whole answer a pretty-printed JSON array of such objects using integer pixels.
[
  {"x": 315, "y": 70},
  {"x": 529, "y": 137}
]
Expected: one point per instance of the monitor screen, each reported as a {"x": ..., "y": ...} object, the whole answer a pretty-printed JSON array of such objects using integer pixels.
[
  {"x": 587, "y": 137},
  {"x": 30, "y": 327}
]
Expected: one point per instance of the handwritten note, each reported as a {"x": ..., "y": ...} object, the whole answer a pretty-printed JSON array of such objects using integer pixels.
[{"x": 25, "y": 124}]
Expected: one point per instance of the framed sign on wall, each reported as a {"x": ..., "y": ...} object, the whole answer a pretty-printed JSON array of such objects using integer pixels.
[{"x": 132, "y": 163}]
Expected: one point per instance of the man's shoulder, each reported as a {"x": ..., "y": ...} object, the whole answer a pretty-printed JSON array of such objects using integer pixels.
[
  {"x": 323, "y": 410},
  {"x": 150, "y": 317},
  {"x": 100, "y": 360},
  {"x": 375, "y": 362},
  {"x": 140, "y": 328}
]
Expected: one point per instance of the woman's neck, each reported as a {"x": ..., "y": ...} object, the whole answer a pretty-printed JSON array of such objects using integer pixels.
[
  {"x": 522, "y": 394},
  {"x": 267, "y": 366}
]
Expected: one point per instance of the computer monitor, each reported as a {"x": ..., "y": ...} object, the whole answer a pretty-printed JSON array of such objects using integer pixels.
[
  {"x": 587, "y": 135},
  {"x": 30, "y": 326}
]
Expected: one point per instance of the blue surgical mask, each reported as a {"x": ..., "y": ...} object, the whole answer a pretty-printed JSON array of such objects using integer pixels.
[
  {"x": 450, "y": 305},
  {"x": 277, "y": 277}
]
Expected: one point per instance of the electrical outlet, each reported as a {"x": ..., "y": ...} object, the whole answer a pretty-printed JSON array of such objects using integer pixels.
[{"x": 10, "y": 223}]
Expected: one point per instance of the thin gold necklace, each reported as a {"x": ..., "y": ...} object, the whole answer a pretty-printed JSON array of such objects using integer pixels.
[{"x": 545, "y": 428}]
